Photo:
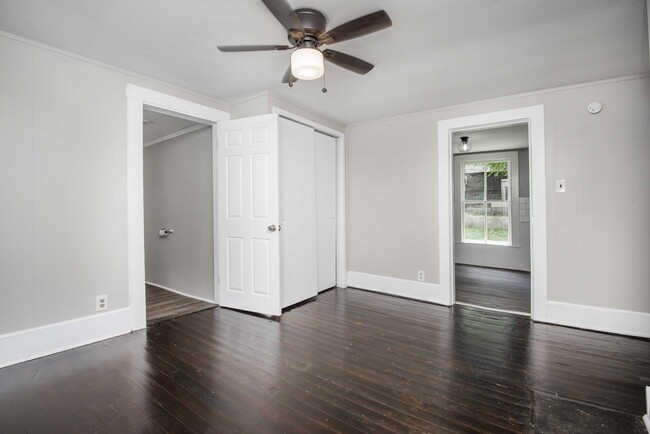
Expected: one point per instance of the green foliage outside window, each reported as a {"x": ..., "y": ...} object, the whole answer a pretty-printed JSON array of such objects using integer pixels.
[{"x": 498, "y": 169}]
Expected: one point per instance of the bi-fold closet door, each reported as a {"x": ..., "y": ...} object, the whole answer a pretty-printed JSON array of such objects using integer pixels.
[{"x": 276, "y": 208}]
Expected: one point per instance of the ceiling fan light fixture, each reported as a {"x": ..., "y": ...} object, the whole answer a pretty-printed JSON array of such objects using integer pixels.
[
  {"x": 307, "y": 64},
  {"x": 465, "y": 145}
]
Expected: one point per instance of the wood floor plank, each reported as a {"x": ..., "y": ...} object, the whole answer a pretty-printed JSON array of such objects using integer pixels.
[
  {"x": 351, "y": 361},
  {"x": 493, "y": 287},
  {"x": 163, "y": 305}
]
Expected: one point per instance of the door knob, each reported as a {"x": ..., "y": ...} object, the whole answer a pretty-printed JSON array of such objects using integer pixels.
[{"x": 272, "y": 228}]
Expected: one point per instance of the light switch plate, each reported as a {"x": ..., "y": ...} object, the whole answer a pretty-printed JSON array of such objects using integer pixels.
[{"x": 560, "y": 185}]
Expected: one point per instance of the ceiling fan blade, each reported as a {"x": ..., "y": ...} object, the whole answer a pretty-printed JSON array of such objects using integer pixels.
[
  {"x": 348, "y": 62},
  {"x": 239, "y": 48},
  {"x": 288, "y": 75},
  {"x": 284, "y": 13},
  {"x": 360, "y": 27}
]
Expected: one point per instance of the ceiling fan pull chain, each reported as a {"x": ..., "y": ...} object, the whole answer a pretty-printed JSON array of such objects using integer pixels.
[{"x": 324, "y": 89}]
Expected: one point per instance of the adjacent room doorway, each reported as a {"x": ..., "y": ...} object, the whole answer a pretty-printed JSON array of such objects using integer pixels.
[
  {"x": 178, "y": 216},
  {"x": 533, "y": 117},
  {"x": 491, "y": 215},
  {"x": 139, "y": 99}
]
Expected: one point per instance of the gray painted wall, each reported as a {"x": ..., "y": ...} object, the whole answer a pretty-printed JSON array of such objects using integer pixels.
[
  {"x": 63, "y": 184},
  {"x": 598, "y": 237},
  {"x": 178, "y": 195}
]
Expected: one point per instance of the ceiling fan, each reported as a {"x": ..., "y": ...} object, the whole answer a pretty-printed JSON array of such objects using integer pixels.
[{"x": 306, "y": 32}]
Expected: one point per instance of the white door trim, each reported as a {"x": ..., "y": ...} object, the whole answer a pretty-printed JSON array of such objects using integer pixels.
[
  {"x": 341, "y": 214},
  {"x": 534, "y": 116},
  {"x": 137, "y": 98}
]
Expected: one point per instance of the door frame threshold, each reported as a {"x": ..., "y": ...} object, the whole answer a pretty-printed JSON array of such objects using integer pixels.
[{"x": 494, "y": 309}]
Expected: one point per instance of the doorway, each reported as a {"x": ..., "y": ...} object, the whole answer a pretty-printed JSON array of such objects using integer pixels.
[
  {"x": 534, "y": 117},
  {"x": 178, "y": 216},
  {"x": 492, "y": 217},
  {"x": 139, "y": 98}
]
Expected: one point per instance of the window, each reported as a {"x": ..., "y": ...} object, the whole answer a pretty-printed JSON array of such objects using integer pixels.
[{"x": 486, "y": 202}]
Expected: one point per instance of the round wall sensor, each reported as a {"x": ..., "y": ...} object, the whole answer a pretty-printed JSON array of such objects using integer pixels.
[{"x": 594, "y": 107}]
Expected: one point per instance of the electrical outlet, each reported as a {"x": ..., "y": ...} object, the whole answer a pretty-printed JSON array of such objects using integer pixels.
[
  {"x": 101, "y": 302},
  {"x": 421, "y": 275}
]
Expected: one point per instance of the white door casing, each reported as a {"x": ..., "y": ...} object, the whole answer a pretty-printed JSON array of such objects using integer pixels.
[
  {"x": 249, "y": 238},
  {"x": 137, "y": 99}
]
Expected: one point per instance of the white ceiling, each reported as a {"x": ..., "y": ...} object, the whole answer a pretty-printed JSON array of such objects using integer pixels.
[
  {"x": 493, "y": 139},
  {"x": 160, "y": 125},
  {"x": 437, "y": 53}
]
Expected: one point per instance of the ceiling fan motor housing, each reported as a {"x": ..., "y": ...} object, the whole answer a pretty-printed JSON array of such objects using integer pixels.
[{"x": 314, "y": 24}]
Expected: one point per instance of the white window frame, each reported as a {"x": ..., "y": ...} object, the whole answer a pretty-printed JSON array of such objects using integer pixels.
[{"x": 485, "y": 202}]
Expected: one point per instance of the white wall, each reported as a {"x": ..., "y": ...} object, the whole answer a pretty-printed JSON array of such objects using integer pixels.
[
  {"x": 178, "y": 195},
  {"x": 598, "y": 236},
  {"x": 62, "y": 184}
]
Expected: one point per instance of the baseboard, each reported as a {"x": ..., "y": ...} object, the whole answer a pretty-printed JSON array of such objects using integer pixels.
[
  {"x": 42, "y": 341},
  {"x": 404, "y": 288},
  {"x": 184, "y": 294},
  {"x": 599, "y": 318},
  {"x": 646, "y": 417}
]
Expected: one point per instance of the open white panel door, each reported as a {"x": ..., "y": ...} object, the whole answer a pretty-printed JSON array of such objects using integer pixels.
[{"x": 249, "y": 239}]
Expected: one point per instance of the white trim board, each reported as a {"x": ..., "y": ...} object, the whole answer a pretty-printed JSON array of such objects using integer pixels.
[
  {"x": 137, "y": 98},
  {"x": 423, "y": 291},
  {"x": 534, "y": 116},
  {"x": 563, "y": 314},
  {"x": 599, "y": 318},
  {"x": 646, "y": 416},
  {"x": 50, "y": 339},
  {"x": 184, "y": 294}
]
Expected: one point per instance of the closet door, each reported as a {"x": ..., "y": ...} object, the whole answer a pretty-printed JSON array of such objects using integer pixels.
[
  {"x": 326, "y": 210},
  {"x": 297, "y": 213}
]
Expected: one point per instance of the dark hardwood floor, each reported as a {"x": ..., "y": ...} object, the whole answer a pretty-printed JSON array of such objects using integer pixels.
[
  {"x": 493, "y": 287},
  {"x": 351, "y": 361},
  {"x": 163, "y": 305}
]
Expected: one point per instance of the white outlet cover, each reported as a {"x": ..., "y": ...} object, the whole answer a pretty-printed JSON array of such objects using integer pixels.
[
  {"x": 560, "y": 186},
  {"x": 101, "y": 302}
]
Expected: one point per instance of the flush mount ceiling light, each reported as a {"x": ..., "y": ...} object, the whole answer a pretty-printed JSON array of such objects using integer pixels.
[
  {"x": 307, "y": 63},
  {"x": 465, "y": 145}
]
